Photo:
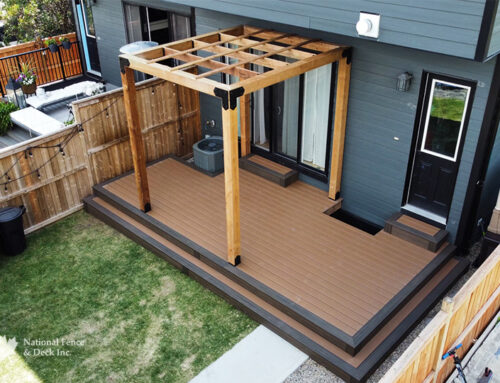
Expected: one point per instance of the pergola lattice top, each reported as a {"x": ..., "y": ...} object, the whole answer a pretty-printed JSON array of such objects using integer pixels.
[{"x": 192, "y": 62}]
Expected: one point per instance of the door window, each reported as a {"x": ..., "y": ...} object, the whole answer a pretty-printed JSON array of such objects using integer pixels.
[{"x": 445, "y": 119}]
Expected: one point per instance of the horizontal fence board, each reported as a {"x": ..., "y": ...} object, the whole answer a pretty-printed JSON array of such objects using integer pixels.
[
  {"x": 170, "y": 124},
  {"x": 474, "y": 306},
  {"x": 48, "y": 66}
]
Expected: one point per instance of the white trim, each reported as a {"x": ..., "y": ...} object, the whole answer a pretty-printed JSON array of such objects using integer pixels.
[
  {"x": 425, "y": 213},
  {"x": 426, "y": 126}
]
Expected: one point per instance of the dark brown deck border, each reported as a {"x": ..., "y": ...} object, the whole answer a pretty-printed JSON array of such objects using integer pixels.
[
  {"x": 304, "y": 343},
  {"x": 435, "y": 241},
  {"x": 269, "y": 174},
  {"x": 350, "y": 344}
]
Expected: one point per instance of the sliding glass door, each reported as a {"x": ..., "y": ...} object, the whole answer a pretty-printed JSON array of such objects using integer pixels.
[
  {"x": 292, "y": 121},
  {"x": 315, "y": 117}
]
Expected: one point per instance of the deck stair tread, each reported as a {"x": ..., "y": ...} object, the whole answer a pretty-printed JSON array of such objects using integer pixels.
[
  {"x": 416, "y": 231},
  {"x": 307, "y": 275},
  {"x": 351, "y": 368},
  {"x": 269, "y": 170}
]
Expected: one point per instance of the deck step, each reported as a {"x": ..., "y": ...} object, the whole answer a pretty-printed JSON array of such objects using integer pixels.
[
  {"x": 269, "y": 170},
  {"x": 415, "y": 231},
  {"x": 350, "y": 343},
  {"x": 350, "y": 368}
]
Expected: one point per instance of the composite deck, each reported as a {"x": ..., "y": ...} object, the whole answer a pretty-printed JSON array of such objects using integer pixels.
[{"x": 325, "y": 268}]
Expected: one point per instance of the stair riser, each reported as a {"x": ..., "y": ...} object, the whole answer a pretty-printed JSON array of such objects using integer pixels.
[
  {"x": 301, "y": 341},
  {"x": 283, "y": 304}
]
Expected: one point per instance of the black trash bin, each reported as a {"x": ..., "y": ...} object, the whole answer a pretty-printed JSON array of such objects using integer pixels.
[{"x": 11, "y": 230}]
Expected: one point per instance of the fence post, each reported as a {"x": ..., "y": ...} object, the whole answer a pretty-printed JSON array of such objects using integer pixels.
[{"x": 447, "y": 307}]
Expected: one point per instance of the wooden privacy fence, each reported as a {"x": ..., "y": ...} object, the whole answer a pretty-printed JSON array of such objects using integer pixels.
[
  {"x": 170, "y": 121},
  {"x": 461, "y": 320},
  {"x": 48, "y": 66}
]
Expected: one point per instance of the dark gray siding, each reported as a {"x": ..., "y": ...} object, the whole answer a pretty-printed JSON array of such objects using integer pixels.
[
  {"x": 374, "y": 162},
  {"x": 444, "y": 26},
  {"x": 491, "y": 184},
  {"x": 494, "y": 46},
  {"x": 111, "y": 35}
]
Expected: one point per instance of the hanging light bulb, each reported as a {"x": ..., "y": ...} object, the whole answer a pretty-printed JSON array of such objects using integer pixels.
[{"x": 38, "y": 174}]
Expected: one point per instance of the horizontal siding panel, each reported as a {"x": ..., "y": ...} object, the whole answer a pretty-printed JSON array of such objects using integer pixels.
[{"x": 450, "y": 27}]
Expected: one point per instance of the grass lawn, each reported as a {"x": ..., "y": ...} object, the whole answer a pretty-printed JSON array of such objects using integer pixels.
[{"x": 128, "y": 315}]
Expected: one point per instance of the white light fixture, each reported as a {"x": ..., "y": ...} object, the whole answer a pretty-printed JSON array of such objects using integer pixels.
[{"x": 368, "y": 25}]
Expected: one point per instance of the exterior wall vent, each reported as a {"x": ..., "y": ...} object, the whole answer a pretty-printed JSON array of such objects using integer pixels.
[{"x": 368, "y": 25}]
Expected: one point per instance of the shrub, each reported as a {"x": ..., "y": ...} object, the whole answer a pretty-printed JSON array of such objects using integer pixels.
[
  {"x": 50, "y": 41},
  {"x": 6, "y": 108}
]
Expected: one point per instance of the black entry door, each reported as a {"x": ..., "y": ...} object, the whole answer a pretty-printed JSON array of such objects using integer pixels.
[{"x": 442, "y": 124}]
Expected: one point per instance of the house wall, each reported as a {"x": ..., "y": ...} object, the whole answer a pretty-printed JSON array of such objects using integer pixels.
[
  {"x": 494, "y": 46},
  {"x": 491, "y": 185},
  {"x": 445, "y": 26},
  {"x": 375, "y": 163},
  {"x": 111, "y": 35}
]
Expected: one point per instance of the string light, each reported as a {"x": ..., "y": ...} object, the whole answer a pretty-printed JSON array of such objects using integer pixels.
[{"x": 60, "y": 146}]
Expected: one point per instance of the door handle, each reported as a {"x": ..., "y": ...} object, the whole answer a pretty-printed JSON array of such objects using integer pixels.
[{"x": 278, "y": 110}]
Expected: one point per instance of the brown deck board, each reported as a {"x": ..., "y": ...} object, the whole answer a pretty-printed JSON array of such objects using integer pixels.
[
  {"x": 334, "y": 270},
  {"x": 418, "y": 225},
  {"x": 354, "y": 361},
  {"x": 278, "y": 168}
]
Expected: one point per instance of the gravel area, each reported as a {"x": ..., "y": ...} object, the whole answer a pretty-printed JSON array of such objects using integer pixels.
[{"x": 312, "y": 372}]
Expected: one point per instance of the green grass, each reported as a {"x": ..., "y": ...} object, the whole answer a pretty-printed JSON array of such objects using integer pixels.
[
  {"x": 140, "y": 319},
  {"x": 448, "y": 108}
]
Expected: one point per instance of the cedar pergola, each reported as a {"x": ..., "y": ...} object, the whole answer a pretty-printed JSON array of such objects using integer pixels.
[{"x": 233, "y": 51}]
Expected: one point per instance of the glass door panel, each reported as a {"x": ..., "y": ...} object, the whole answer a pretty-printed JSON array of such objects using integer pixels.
[{"x": 315, "y": 117}]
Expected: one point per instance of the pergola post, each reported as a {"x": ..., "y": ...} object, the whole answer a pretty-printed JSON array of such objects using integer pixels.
[
  {"x": 245, "y": 135},
  {"x": 341, "y": 99},
  {"x": 135, "y": 133},
  {"x": 231, "y": 177}
]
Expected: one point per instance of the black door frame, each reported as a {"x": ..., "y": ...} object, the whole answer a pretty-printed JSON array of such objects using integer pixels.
[
  {"x": 290, "y": 162},
  {"x": 422, "y": 107}
]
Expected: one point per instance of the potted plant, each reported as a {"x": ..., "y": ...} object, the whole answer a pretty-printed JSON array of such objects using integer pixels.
[
  {"x": 27, "y": 78},
  {"x": 52, "y": 44},
  {"x": 6, "y": 108},
  {"x": 65, "y": 43}
]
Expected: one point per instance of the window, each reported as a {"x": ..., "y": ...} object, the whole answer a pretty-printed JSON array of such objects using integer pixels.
[
  {"x": 89, "y": 18},
  {"x": 151, "y": 24},
  {"x": 445, "y": 117}
]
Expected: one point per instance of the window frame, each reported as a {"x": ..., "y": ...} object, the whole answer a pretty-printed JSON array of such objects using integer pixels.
[
  {"x": 428, "y": 107},
  {"x": 171, "y": 12},
  {"x": 84, "y": 12}
]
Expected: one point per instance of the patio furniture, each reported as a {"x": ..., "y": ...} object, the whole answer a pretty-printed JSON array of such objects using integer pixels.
[
  {"x": 74, "y": 91},
  {"x": 35, "y": 121}
]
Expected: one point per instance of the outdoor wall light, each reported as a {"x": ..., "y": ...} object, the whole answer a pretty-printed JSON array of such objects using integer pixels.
[
  {"x": 404, "y": 82},
  {"x": 15, "y": 93}
]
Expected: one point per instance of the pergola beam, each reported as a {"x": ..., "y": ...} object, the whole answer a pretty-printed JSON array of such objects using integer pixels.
[
  {"x": 211, "y": 64},
  {"x": 201, "y": 45},
  {"x": 235, "y": 43},
  {"x": 251, "y": 44},
  {"x": 248, "y": 61}
]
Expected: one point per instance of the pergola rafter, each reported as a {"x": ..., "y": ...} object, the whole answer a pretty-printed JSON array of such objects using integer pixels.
[{"x": 197, "y": 63}]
